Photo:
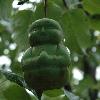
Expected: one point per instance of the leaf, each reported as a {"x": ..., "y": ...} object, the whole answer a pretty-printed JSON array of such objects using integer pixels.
[
  {"x": 92, "y": 6},
  {"x": 82, "y": 88},
  {"x": 11, "y": 91},
  {"x": 53, "y": 93},
  {"x": 2, "y": 97},
  {"x": 76, "y": 30},
  {"x": 56, "y": 94},
  {"x": 4, "y": 83},
  {"x": 95, "y": 22},
  {"x": 2, "y": 47},
  {"x": 2, "y": 27},
  {"x": 5, "y": 9},
  {"x": 86, "y": 83},
  {"x": 16, "y": 67},
  {"x": 21, "y": 22},
  {"x": 70, "y": 95},
  {"x": 15, "y": 92},
  {"x": 17, "y": 79},
  {"x": 5, "y": 38},
  {"x": 96, "y": 56},
  {"x": 59, "y": 2},
  {"x": 53, "y": 11},
  {"x": 72, "y": 3},
  {"x": 14, "y": 78}
]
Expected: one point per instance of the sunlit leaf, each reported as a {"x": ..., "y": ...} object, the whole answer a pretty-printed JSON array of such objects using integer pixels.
[{"x": 92, "y": 6}]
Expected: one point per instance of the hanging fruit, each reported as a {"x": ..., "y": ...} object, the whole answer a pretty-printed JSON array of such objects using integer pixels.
[{"x": 45, "y": 64}]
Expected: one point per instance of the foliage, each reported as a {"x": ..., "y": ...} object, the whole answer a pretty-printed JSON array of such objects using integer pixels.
[{"x": 80, "y": 21}]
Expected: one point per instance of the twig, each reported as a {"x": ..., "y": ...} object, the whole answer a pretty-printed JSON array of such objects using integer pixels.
[{"x": 45, "y": 7}]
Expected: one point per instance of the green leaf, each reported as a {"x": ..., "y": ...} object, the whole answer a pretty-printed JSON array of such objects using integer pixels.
[
  {"x": 21, "y": 22},
  {"x": 76, "y": 29},
  {"x": 56, "y": 94},
  {"x": 16, "y": 67},
  {"x": 53, "y": 11},
  {"x": 2, "y": 27},
  {"x": 11, "y": 91},
  {"x": 85, "y": 84},
  {"x": 96, "y": 56},
  {"x": 5, "y": 37},
  {"x": 72, "y": 3},
  {"x": 70, "y": 95},
  {"x": 5, "y": 8},
  {"x": 14, "y": 78},
  {"x": 2, "y": 97},
  {"x": 2, "y": 47},
  {"x": 58, "y": 2},
  {"x": 92, "y": 6},
  {"x": 53, "y": 93},
  {"x": 95, "y": 22},
  {"x": 4, "y": 83},
  {"x": 15, "y": 92}
]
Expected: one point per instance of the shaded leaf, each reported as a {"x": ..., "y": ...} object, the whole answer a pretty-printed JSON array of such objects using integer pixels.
[
  {"x": 14, "y": 78},
  {"x": 16, "y": 67},
  {"x": 59, "y": 2},
  {"x": 23, "y": 19},
  {"x": 53, "y": 11},
  {"x": 21, "y": 22},
  {"x": 76, "y": 29},
  {"x": 5, "y": 8},
  {"x": 2, "y": 27},
  {"x": 84, "y": 85},
  {"x": 17, "y": 79},
  {"x": 95, "y": 22},
  {"x": 15, "y": 92}
]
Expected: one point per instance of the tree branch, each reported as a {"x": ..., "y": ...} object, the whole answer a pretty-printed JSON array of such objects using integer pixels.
[{"x": 65, "y": 4}]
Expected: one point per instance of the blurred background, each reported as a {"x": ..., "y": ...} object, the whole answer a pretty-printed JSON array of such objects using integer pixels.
[{"x": 80, "y": 21}]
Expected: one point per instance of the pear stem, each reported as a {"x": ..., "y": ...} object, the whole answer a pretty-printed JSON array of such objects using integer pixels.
[{"x": 45, "y": 7}]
